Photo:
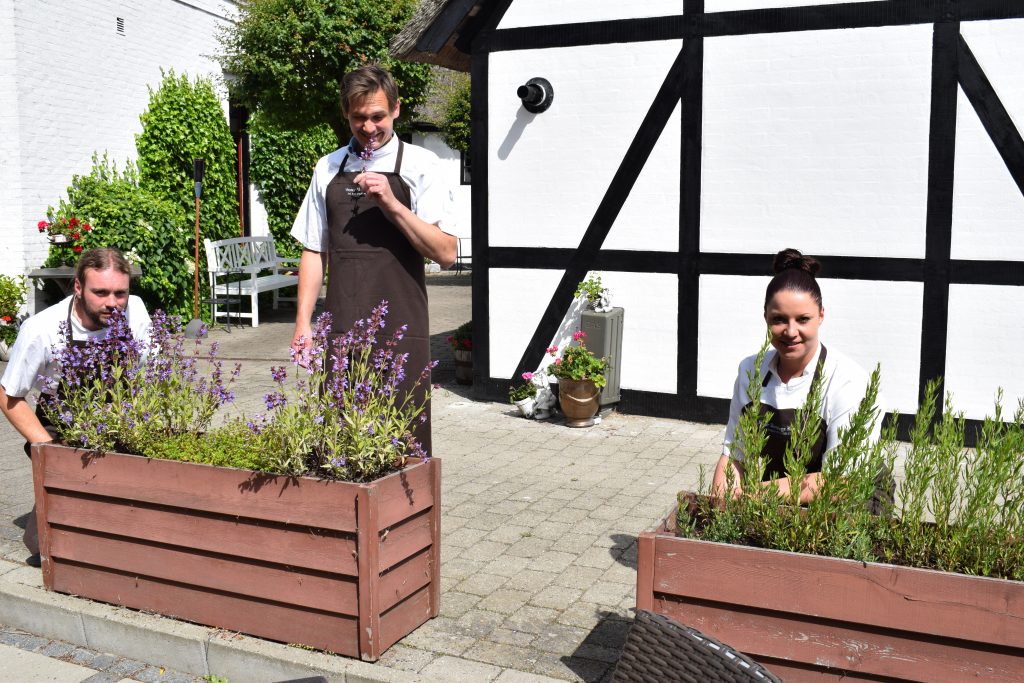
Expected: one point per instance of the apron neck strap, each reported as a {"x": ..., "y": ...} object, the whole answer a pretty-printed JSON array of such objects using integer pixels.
[
  {"x": 398, "y": 159},
  {"x": 817, "y": 368}
]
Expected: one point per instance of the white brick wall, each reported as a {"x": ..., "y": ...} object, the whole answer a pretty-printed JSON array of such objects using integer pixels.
[{"x": 70, "y": 86}]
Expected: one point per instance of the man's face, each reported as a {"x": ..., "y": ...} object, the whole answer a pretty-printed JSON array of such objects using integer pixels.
[
  {"x": 98, "y": 296},
  {"x": 371, "y": 117}
]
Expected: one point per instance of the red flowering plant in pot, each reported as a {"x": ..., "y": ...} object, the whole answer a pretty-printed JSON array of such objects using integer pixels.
[
  {"x": 67, "y": 236},
  {"x": 316, "y": 522},
  {"x": 580, "y": 378}
]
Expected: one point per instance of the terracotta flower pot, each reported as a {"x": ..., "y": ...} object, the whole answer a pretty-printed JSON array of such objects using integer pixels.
[
  {"x": 346, "y": 567},
  {"x": 814, "y": 618},
  {"x": 578, "y": 399},
  {"x": 463, "y": 366}
]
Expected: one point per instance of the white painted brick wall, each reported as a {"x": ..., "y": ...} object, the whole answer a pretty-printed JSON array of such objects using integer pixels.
[{"x": 79, "y": 88}]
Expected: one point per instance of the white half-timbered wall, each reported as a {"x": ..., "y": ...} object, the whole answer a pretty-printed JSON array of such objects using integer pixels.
[{"x": 818, "y": 140}]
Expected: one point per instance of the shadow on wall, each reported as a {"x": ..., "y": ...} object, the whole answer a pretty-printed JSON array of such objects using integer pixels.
[{"x": 523, "y": 118}]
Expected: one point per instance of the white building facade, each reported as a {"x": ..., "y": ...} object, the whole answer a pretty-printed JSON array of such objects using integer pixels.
[
  {"x": 74, "y": 78},
  {"x": 688, "y": 142}
]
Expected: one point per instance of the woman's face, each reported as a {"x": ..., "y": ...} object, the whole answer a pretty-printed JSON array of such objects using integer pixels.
[{"x": 794, "y": 319}]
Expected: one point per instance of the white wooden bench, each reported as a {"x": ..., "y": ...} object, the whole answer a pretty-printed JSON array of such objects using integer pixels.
[{"x": 253, "y": 267}]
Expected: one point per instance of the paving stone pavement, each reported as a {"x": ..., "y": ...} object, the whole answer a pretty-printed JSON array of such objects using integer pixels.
[{"x": 539, "y": 521}]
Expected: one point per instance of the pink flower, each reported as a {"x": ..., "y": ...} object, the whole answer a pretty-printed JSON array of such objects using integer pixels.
[
  {"x": 552, "y": 350},
  {"x": 558, "y": 361},
  {"x": 527, "y": 376},
  {"x": 42, "y": 225},
  {"x": 578, "y": 335}
]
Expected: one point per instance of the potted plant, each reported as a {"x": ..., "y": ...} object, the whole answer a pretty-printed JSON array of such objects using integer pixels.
[
  {"x": 317, "y": 522},
  {"x": 928, "y": 589},
  {"x": 580, "y": 377},
  {"x": 523, "y": 396},
  {"x": 462, "y": 348},
  {"x": 596, "y": 296},
  {"x": 67, "y": 236},
  {"x": 13, "y": 291}
]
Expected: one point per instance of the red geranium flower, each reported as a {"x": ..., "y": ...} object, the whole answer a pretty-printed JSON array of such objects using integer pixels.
[
  {"x": 73, "y": 222},
  {"x": 6, "y": 318},
  {"x": 75, "y": 235},
  {"x": 86, "y": 227},
  {"x": 43, "y": 225},
  {"x": 77, "y": 248}
]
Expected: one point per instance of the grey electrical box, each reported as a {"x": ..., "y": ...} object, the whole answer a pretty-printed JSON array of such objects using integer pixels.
[{"x": 604, "y": 339}]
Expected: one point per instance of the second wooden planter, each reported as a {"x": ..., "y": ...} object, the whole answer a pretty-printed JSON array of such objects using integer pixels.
[
  {"x": 812, "y": 618},
  {"x": 350, "y": 568}
]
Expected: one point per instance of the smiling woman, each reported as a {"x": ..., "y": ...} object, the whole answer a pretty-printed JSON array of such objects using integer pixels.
[{"x": 797, "y": 371}]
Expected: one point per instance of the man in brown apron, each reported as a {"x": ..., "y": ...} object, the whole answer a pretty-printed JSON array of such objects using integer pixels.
[{"x": 373, "y": 211}]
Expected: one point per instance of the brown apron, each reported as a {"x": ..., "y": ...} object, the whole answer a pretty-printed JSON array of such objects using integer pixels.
[
  {"x": 369, "y": 260},
  {"x": 779, "y": 429}
]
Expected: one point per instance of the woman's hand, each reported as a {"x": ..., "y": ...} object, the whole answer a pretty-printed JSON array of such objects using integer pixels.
[{"x": 727, "y": 480}]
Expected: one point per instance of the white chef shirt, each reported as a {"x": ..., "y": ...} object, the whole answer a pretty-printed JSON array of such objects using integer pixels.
[
  {"x": 421, "y": 170},
  {"x": 844, "y": 387},
  {"x": 32, "y": 353}
]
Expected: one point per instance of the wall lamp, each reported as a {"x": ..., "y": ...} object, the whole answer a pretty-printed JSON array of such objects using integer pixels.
[{"x": 536, "y": 95}]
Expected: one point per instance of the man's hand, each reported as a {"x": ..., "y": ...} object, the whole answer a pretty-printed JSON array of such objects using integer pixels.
[
  {"x": 302, "y": 341},
  {"x": 728, "y": 480},
  {"x": 377, "y": 188},
  {"x": 23, "y": 418}
]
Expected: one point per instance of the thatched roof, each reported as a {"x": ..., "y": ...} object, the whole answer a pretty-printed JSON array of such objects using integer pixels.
[{"x": 433, "y": 33}]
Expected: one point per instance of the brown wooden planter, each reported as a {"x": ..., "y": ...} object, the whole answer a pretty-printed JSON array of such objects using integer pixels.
[
  {"x": 812, "y": 618},
  {"x": 350, "y": 568}
]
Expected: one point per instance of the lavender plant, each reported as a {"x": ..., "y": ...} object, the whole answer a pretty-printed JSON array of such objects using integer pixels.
[
  {"x": 116, "y": 392},
  {"x": 347, "y": 418}
]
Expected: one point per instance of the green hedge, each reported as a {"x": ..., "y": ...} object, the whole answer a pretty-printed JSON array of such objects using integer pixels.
[
  {"x": 185, "y": 121},
  {"x": 281, "y": 167}
]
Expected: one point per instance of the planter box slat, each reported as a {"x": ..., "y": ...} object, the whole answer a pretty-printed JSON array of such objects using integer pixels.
[
  {"x": 231, "y": 612},
  {"x": 296, "y": 500},
  {"x": 831, "y": 588},
  {"x": 402, "y": 540},
  {"x": 862, "y": 649},
  {"x": 323, "y": 551},
  {"x": 404, "y": 580},
  {"x": 266, "y": 582},
  {"x": 346, "y": 567},
  {"x": 397, "y": 622},
  {"x": 403, "y": 495},
  {"x": 828, "y": 618}
]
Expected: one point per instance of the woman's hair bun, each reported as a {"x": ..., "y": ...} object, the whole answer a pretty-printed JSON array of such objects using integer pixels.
[{"x": 791, "y": 258}]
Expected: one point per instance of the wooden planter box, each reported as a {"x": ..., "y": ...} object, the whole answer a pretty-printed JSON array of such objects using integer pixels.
[
  {"x": 811, "y": 618},
  {"x": 350, "y": 568}
]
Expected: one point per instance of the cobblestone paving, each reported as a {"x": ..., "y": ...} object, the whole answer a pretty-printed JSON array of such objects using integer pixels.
[{"x": 539, "y": 520}]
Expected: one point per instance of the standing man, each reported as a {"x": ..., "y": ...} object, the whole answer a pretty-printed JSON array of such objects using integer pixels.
[
  {"x": 373, "y": 211},
  {"x": 101, "y": 285}
]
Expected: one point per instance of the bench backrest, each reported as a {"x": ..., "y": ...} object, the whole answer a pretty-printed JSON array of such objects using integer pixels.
[{"x": 241, "y": 254}]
